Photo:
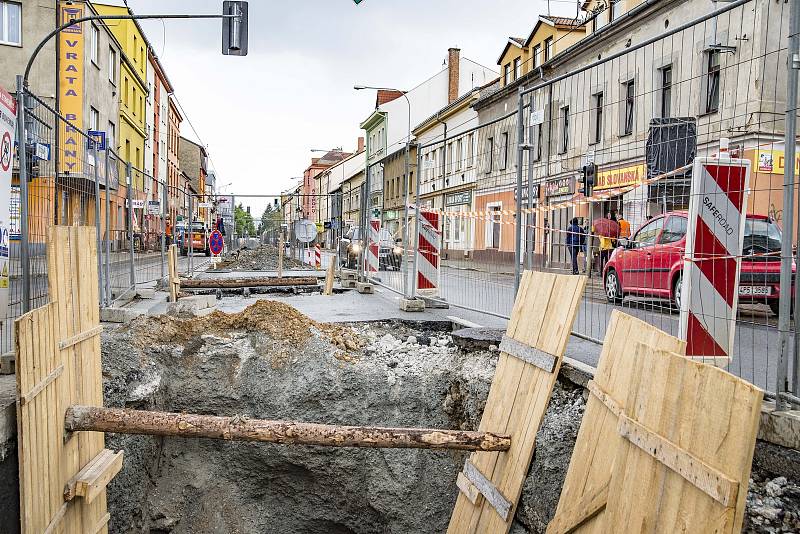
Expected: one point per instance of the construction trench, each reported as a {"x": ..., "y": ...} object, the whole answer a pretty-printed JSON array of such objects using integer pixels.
[{"x": 272, "y": 362}]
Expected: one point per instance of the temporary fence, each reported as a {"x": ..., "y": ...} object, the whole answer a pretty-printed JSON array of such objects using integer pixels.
[
  {"x": 634, "y": 114},
  {"x": 74, "y": 176}
]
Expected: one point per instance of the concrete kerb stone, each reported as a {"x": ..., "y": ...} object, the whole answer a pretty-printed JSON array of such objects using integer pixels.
[
  {"x": 119, "y": 315},
  {"x": 193, "y": 305},
  {"x": 780, "y": 428},
  {"x": 412, "y": 305}
]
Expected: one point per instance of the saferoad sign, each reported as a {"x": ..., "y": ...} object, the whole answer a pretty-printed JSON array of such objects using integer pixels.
[
  {"x": 8, "y": 112},
  {"x": 714, "y": 239}
]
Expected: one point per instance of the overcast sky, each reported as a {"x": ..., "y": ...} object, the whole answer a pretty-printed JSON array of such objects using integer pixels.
[{"x": 261, "y": 114}]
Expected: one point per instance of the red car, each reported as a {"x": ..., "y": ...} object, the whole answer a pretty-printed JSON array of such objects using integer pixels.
[{"x": 651, "y": 263}]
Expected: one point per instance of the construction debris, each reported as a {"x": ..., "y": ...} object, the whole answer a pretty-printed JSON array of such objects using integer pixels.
[{"x": 262, "y": 258}]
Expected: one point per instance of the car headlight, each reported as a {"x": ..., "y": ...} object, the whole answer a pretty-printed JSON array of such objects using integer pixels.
[
  {"x": 398, "y": 250},
  {"x": 355, "y": 249}
]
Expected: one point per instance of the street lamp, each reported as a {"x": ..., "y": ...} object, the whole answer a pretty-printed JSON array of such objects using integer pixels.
[{"x": 406, "y": 184}]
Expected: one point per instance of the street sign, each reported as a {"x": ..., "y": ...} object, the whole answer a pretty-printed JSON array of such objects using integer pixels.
[
  {"x": 206, "y": 205},
  {"x": 96, "y": 137},
  {"x": 154, "y": 207},
  {"x": 8, "y": 111},
  {"x": 216, "y": 243},
  {"x": 42, "y": 151},
  {"x": 709, "y": 296},
  {"x": 137, "y": 204},
  {"x": 537, "y": 117}
]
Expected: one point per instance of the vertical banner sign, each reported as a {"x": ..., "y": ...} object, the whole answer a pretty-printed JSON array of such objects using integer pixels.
[
  {"x": 70, "y": 79},
  {"x": 428, "y": 253},
  {"x": 373, "y": 248},
  {"x": 8, "y": 113},
  {"x": 710, "y": 296}
]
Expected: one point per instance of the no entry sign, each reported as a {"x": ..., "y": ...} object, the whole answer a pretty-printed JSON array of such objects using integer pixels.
[
  {"x": 216, "y": 243},
  {"x": 709, "y": 296}
]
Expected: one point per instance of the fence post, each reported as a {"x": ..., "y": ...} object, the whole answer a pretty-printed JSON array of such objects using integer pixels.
[
  {"x": 518, "y": 219},
  {"x": 97, "y": 219},
  {"x": 24, "y": 242},
  {"x": 784, "y": 315},
  {"x": 129, "y": 179},
  {"x": 108, "y": 235},
  {"x": 414, "y": 272},
  {"x": 164, "y": 209},
  {"x": 190, "y": 238}
]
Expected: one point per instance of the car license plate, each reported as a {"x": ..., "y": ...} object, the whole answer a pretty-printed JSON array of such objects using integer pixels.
[{"x": 759, "y": 291}]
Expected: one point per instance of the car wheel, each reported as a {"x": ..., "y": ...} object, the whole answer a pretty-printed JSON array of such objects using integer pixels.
[
  {"x": 613, "y": 287},
  {"x": 677, "y": 289}
]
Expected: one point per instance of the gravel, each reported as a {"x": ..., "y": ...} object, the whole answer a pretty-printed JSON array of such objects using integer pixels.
[{"x": 261, "y": 258}]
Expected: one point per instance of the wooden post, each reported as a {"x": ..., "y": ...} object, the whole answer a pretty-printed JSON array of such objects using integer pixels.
[
  {"x": 214, "y": 283},
  {"x": 124, "y": 421},
  {"x": 329, "y": 278},
  {"x": 280, "y": 256},
  {"x": 174, "y": 279}
]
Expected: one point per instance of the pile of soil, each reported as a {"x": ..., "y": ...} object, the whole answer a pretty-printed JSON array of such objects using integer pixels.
[{"x": 262, "y": 258}]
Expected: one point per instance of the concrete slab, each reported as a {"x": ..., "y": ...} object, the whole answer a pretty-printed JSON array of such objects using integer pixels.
[
  {"x": 348, "y": 284},
  {"x": 781, "y": 428},
  {"x": 119, "y": 315},
  {"x": 192, "y": 305}
]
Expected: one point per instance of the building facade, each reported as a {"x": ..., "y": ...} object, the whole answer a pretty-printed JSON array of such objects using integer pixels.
[
  {"x": 194, "y": 166},
  {"x": 176, "y": 198}
]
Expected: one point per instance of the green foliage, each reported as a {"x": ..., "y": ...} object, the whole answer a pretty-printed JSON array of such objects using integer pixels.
[
  {"x": 243, "y": 221},
  {"x": 271, "y": 219}
]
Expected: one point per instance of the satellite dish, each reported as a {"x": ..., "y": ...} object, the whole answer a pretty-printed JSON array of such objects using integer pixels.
[{"x": 305, "y": 231}]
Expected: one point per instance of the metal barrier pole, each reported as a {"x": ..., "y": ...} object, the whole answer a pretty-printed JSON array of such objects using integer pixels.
[
  {"x": 164, "y": 202},
  {"x": 790, "y": 140},
  {"x": 97, "y": 220},
  {"x": 518, "y": 221},
  {"x": 108, "y": 236},
  {"x": 415, "y": 252},
  {"x": 24, "y": 251},
  {"x": 129, "y": 178},
  {"x": 190, "y": 237}
]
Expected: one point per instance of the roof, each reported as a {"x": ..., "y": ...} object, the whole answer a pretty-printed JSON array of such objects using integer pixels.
[
  {"x": 563, "y": 21},
  {"x": 384, "y": 97},
  {"x": 519, "y": 42}
]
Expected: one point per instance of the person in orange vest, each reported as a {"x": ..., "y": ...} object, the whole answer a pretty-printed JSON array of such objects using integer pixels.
[{"x": 624, "y": 227}]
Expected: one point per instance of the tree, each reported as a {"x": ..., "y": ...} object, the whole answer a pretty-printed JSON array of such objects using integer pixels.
[
  {"x": 271, "y": 219},
  {"x": 243, "y": 221}
]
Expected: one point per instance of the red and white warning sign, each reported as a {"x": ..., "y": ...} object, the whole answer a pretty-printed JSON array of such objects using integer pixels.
[
  {"x": 709, "y": 294},
  {"x": 428, "y": 253},
  {"x": 373, "y": 246}
]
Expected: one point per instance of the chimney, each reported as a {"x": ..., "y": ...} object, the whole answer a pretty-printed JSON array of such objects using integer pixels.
[
  {"x": 453, "y": 66},
  {"x": 360, "y": 145}
]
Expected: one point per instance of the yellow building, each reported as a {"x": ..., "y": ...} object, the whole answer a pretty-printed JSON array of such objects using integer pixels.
[
  {"x": 549, "y": 36},
  {"x": 132, "y": 89}
]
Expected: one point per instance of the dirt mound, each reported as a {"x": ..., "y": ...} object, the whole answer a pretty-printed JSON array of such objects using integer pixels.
[
  {"x": 262, "y": 258},
  {"x": 277, "y": 320}
]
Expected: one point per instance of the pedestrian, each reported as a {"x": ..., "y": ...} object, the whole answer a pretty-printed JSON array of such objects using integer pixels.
[
  {"x": 606, "y": 244},
  {"x": 221, "y": 226},
  {"x": 575, "y": 241},
  {"x": 624, "y": 227}
]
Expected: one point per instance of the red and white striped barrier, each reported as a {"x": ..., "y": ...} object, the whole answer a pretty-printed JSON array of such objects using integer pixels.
[
  {"x": 373, "y": 246},
  {"x": 317, "y": 256},
  {"x": 710, "y": 296},
  {"x": 428, "y": 253}
]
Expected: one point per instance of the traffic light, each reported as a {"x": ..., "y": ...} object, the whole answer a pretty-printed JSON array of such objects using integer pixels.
[
  {"x": 588, "y": 175},
  {"x": 234, "y": 29}
]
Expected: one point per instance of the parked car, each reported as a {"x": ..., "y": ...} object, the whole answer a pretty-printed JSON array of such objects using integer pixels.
[
  {"x": 390, "y": 250},
  {"x": 650, "y": 264},
  {"x": 199, "y": 238}
]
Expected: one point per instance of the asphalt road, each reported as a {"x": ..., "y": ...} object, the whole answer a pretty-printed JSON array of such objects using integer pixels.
[{"x": 756, "y": 346}]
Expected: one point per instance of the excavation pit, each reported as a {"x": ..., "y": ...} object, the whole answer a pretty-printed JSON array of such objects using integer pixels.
[{"x": 271, "y": 362}]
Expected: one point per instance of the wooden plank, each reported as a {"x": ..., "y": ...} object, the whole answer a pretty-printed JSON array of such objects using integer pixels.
[
  {"x": 598, "y": 440},
  {"x": 281, "y": 251},
  {"x": 588, "y": 507},
  {"x": 94, "y": 477},
  {"x": 715, "y": 484},
  {"x": 329, "y": 278},
  {"x": 38, "y": 388},
  {"x": 83, "y": 336},
  {"x": 55, "y": 523},
  {"x": 101, "y": 524},
  {"x": 467, "y": 488},
  {"x": 519, "y": 394},
  {"x": 485, "y": 487},
  {"x": 541, "y": 359}
]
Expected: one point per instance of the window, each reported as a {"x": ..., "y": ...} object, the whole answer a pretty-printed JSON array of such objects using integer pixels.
[
  {"x": 94, "y": 119},
  {"x": 517, "y": 68},
  {"x": 537, "y": 55},
  {"x": 712, "y": 81},
  {"x": 112, "y": 65},
  {"x": 596, "y": 120},
  {"x": 504, "y": 150},
  {"x": 10, "y": 23},
  {"x": 648, "y": 233},
  {"x": 627, "y": 118},
  {"x": 490, "y": 153},
  {"x": 471, "y": 150},
  {"x": 441, "y": 161},
  {"x": 548, "y": 48},
  {"x": 564, "y": 130},
  {"x": 507, "y": 73},
  {"x": 666, "y": 91},
  {"x": 617, "y": 8},
  {"x": 94, "y": 44},
  {"x": 459, "y": 153},
  {"x": 674, "y": 230},
  {"x": 536, "y": 141},
  {"x": 111, "y": 135},
  {"x": 449, "y": 158}
]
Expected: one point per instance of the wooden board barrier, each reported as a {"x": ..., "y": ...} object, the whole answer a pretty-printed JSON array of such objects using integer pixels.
[
  {"x": 58, "y": 350},
  {"x": 174, "y": 277},
  {"x": 665, "y": 444},
  {"x": 542, "y": 319}
]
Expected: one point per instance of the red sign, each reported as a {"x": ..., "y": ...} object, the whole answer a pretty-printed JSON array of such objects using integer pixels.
[{"x": 216, "y": 243}]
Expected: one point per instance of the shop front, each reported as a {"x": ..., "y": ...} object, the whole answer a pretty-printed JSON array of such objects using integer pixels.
[
  {"x": 557, "y": 218},
  {"x": 633, "y": 204},
  {"x": 458, "y": 229}
]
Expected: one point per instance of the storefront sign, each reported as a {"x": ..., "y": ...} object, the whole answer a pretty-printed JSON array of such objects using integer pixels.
[
  {"x": 622, "y": 177},
  {"x": 457, "y": 199},
  {"x": 537, "y": 117},
  {"x": 561, "y": 187},
  {"x": 772, "y": 161},
  {"x": 70, "y": 79},
  {"x": 7, "y": 122},
  {"x": 153, "y": 207}
]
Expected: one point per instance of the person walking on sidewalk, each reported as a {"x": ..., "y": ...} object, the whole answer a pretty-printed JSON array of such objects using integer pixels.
[{"x": 575, "y": 241}]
